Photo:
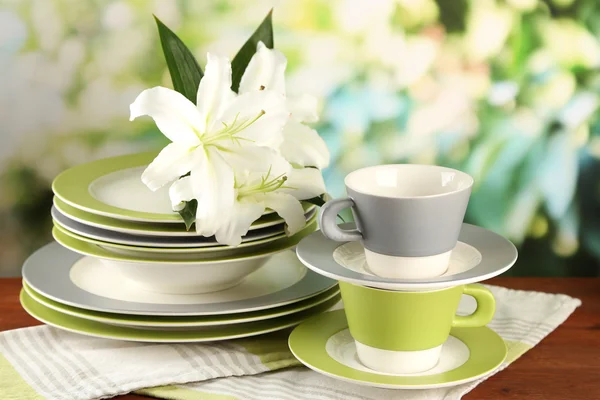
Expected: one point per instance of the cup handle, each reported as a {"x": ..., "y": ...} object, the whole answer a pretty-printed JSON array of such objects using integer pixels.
[
  {"x": 328, "y": 221},
  {"x": 486, "y": 307}
]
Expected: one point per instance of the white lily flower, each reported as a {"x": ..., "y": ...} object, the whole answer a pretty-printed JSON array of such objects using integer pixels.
[
  {"x": 279, "y": 189},
  {"x": 223, "y": 133},
  {"x": 301, "y": 145}
]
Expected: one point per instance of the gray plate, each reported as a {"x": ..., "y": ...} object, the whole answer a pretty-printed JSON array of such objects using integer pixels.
[
  {"x": 47, "y": 271},
  {"x": 158, "y": 241},
  {"x": 497, "y": 256}
]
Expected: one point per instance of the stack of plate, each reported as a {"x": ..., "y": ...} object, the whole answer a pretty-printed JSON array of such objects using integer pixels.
[{"x": 125, "y": 266}]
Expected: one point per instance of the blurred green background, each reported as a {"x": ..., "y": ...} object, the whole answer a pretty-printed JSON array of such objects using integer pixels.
[{"x": 507, "y": 91}]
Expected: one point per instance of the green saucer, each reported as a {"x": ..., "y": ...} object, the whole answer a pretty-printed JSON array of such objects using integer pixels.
[{"x": 323, "y": 343}]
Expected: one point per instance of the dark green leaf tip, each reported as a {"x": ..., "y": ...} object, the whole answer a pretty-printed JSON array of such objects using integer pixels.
[
  {"x": 264, "y": 33},
  {"x": 184, "y": 69},
  {"x": 188, "y": 213}
]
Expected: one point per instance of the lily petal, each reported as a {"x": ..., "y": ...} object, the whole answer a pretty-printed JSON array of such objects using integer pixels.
[
  {"x": 303, "y": 146},
  {"x": 248, "y": 158},
  {"x": 303, "y": 108},
  {"x": 214, "y": 91},
  {"x": 304, "y": 183},
  {"x": 172, "y": 162},
  {"x": 181, "y": 191},
  {"x": 213, "y": 187},
  {"x": 238, "y": 222},
  {"x": 263, "y": 113},
  {"x": 175, "y": 116},
  {"x": 288, "y": 208},
  {"x": 266, "y": 70}
]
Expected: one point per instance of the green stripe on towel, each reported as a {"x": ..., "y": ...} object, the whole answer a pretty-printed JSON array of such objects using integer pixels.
[{"x": 13, "y": 385}]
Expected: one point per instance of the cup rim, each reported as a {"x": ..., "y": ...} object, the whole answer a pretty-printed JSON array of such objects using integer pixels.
[{"x": 425, "y": 166}]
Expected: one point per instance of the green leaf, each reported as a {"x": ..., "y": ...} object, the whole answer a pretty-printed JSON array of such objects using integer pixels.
[
  {"x": 188, "y": 213},
  {"x": 264, "y": 33},
  {"x": 453, "y": 14},
  {"x": 183, "y": 67},
  {"x": 317, "y": 201}
]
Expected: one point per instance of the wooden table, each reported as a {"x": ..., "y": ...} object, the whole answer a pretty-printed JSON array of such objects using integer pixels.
[{"x": 565, "y": 365}]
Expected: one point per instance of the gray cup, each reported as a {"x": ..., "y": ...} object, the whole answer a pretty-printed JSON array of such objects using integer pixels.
[{"x": 408, "y": 217}]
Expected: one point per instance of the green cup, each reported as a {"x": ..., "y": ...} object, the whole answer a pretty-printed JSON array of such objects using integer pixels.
[{"x": 403, "y": 332}]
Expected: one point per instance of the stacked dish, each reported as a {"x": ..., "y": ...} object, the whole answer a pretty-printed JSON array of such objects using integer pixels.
[
  {"x": 404, "y": 269},
  {"x": 326, "y": 345},
  {"x": 125, "y": 262}
]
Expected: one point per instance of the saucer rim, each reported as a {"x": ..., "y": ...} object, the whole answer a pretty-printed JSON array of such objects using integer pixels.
[{"x": 499, "y": 254}]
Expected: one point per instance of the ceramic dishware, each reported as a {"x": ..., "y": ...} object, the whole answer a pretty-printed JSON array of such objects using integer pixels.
[
  {"x": 403, "y": 332},
  {"x": 324, "y": 344},
  {"x": 112, "y": 187},
  {"x": 408, "y": 217},
  {"x": 184, "y": 322},
  {"x": 96, "y": 329},
  {"x": 132, "y": 239},
  {"x": 480, "y": 254},
  {"x": 181, "y": 252},
  {"x": 158, "y": 229},
  {"x": 184, "y": 275},
  {"x": 84, "y": 282}
]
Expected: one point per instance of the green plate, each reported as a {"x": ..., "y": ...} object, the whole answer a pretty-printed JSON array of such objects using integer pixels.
[
  {"x": 308, "y": 342},
  {"x": 145, "y": 228},
  {"x": 73, "y": 187},
  {"x": 124, "y": 248},
  {"x": 97, "y": 329},
  {"x": 165, "y": 321},
  {"x": 94, "y": 250}
]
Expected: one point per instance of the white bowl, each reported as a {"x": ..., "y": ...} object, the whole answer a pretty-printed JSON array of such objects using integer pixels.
[
  {"x": 185, "y": 273},
  {"x": 188, "y": 278}
]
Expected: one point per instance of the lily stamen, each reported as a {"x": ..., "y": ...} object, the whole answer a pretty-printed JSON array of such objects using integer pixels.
[
  {"x": 265, "y": 186},
  {"x": 230, "y": 131}
]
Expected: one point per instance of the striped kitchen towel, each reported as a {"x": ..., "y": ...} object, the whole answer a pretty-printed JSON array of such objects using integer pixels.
[{"x": 46, "y": 363}]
